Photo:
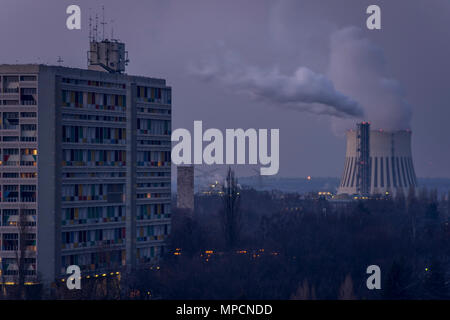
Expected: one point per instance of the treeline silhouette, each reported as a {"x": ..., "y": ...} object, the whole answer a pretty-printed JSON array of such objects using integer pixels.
[
  {"x": 294, "y": 247},
  {"x": 247, "y": 244}
]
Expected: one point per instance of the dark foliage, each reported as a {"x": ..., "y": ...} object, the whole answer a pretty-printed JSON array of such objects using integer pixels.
[{"x": 296, "y": 247}]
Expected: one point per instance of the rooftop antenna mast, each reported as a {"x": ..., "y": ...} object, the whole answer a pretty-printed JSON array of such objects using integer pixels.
[
  {"x": 103, "y": 23},
  {"x": 96, "y": 28},
  {"x": 112, "y": 29},
  {"x": 107, "y": 55},
  {"x": 90, "y": 26}
]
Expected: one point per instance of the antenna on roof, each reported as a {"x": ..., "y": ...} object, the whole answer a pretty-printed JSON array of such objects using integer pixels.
[
  {"x": 96, "y": 27},
  {"x": 103, "y": 23},
  {"x": 60, "y": 60},
  {"x": 90, "y": 26},
  {"x": 112, "y": 29},
  {"x": 103, "y": 54}
]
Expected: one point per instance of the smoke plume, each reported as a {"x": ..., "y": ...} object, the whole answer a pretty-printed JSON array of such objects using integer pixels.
[
  {"x": 304, "y": 90},
  {"x": 358, "y": 68}
]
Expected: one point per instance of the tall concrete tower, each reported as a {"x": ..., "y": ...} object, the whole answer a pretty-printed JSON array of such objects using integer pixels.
[
  {"x": 384, "y": 165},
  {"x": 185, "y": 188}
]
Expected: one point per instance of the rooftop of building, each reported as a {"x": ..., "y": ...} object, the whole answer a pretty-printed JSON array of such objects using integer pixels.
[
  {"x": 383, "y": 130},
  {"x": 77, "y": 72}
]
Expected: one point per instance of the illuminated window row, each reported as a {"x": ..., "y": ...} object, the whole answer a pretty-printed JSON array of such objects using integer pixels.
[
  {"x": 73, "y": 216},
  {"x": 92, "y": 100},
  {"x": 158, "y": 95},
  {"x": 102, "y": 135}
]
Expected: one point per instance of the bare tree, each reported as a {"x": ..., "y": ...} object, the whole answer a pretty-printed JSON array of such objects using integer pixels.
[
  {"x": 231, "y": 215},
  {"x": 448, "y": 205},
  {"x": 412, "y": 210},
  {"x": 21, "y": 252},
  {"x": 346, "y": 290},
  {"x": 3, "y": 293},
  {"x": 304, "y": 292}
]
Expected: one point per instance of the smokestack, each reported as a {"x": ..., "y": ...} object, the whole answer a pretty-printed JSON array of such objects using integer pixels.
[
  {"x": 185, "y": 188},
  {"x": 384, "y": 164},
  {"x": 363, "y": 164}
]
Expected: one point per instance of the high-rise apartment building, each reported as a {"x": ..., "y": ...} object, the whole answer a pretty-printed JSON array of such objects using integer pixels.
[{"x": 85, "y": 170}]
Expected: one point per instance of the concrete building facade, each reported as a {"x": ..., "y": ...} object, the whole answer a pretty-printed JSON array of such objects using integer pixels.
[{"x": 85, "y": 165}]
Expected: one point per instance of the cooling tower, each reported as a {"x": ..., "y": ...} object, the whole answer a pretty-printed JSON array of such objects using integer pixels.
[{"x": 377, "y": 162}]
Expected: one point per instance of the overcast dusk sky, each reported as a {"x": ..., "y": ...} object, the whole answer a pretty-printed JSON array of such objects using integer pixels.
[{"x": 272, "y": 40}]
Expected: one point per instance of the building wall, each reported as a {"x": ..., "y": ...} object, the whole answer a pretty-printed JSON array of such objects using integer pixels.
[
  {"x": 18, "y": 169},
  {"x": 131, "y": 180},
  {"x": 48, "y": 180},
  {"x": 103, "y": 187},
  {"x": 94, "y": 169},
  {"x": 153, "y": 169}
]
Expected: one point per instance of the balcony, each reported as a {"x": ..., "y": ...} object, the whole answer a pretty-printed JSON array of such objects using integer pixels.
[
  {"x": 10, "y": 90},
  {"x": 11, "y": 84},
  {"x": 10, "y": 127},
  {"x": 28, "y": 199},
  {"x": 28, "y": 102},
  {"x": 28, "y": 133},
  {"x": 28, "y": 163},
  {"x": 10, "y": 163}
]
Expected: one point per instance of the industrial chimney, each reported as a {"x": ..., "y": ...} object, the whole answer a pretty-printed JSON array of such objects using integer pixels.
[
  {"x": 377, "y": 162},
  {"x": 185, "y": 188}
]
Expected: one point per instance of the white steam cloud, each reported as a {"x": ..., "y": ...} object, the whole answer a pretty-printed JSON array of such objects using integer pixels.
[
  {"x": 358, "y": 68},
  {"x": 304, "y": 90},
  {"x": 356, "y": 87}
]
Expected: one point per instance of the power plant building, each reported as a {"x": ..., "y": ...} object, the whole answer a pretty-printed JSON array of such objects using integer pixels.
[
  {"x": 377, "y": 162},
  {"x": 85, "y": 165}
]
